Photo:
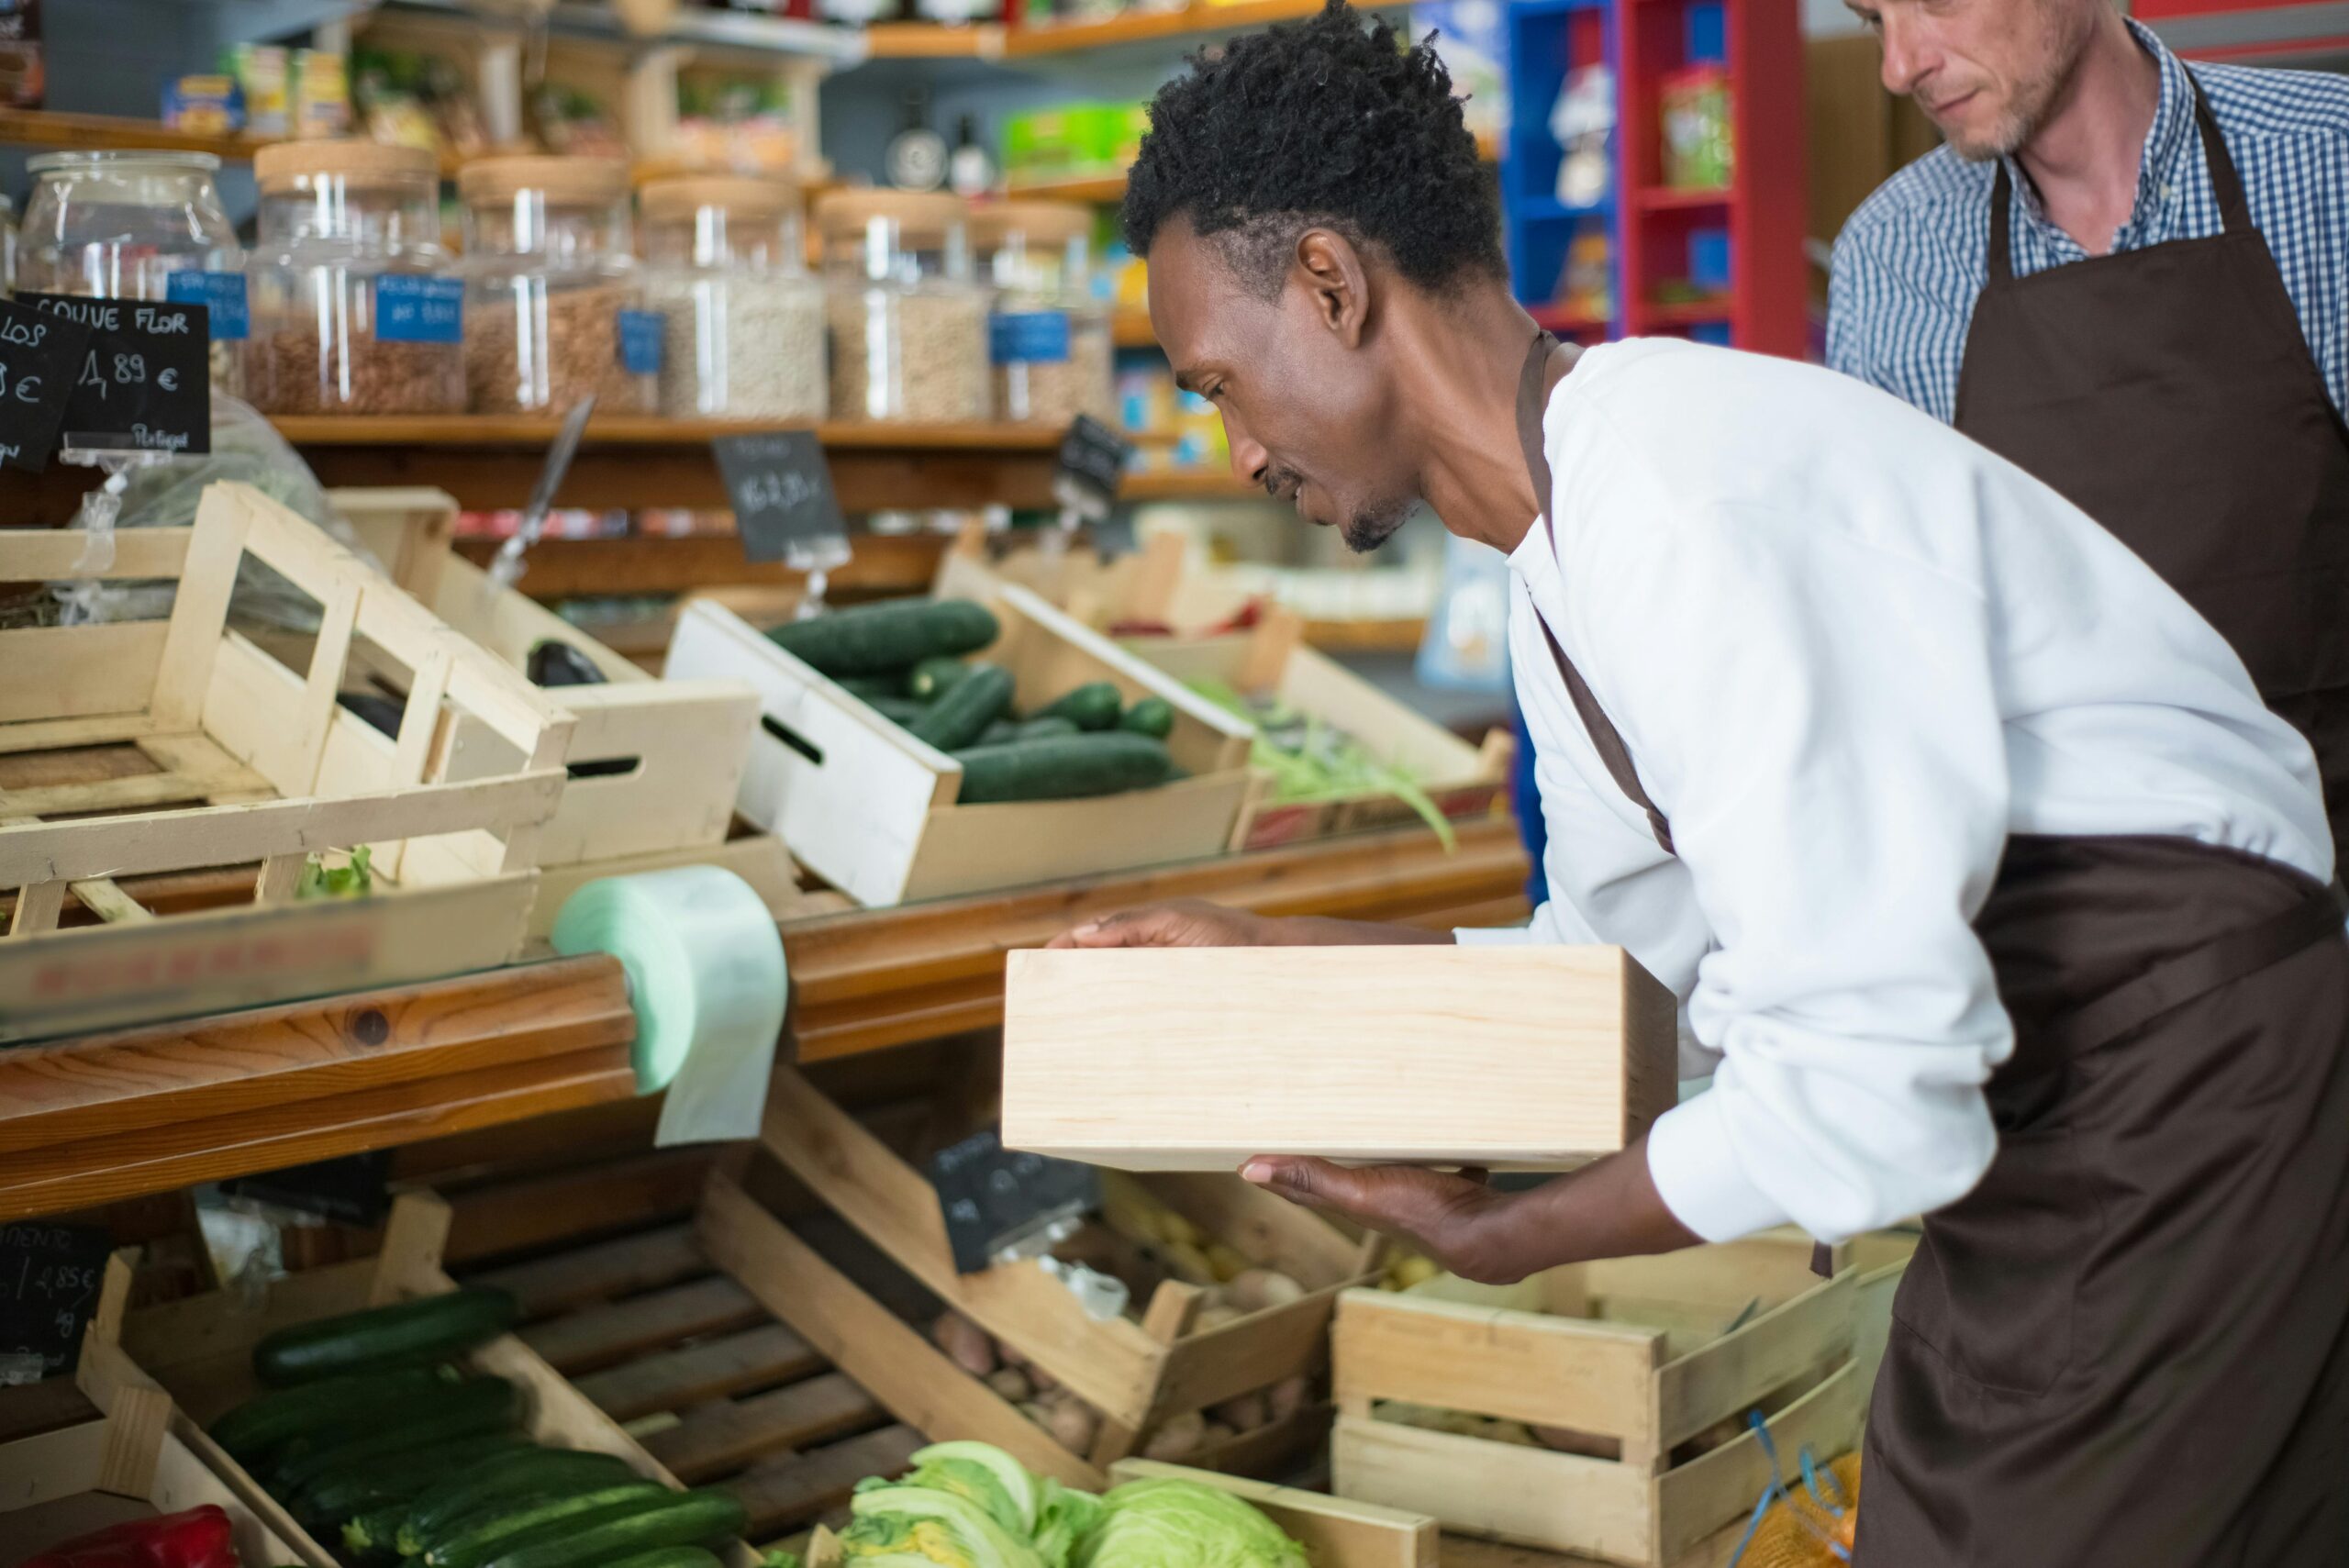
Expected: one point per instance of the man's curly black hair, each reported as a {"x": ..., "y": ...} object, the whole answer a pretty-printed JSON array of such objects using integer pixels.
[{"x": 1318, "y": 123}]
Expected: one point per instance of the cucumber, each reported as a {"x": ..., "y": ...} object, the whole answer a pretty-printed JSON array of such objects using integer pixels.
[
  {"x": 259, "y": 1426},
  {"x": 685, "y": 1518},
  {"x": 430, "y": 1329},
  {"x": 1153, "y": 717},
  {"x": 371, "y": 1535},
  {"x": 1063, "y": 768},
  {"x": 669, "y": 1557},
  {"x": 934, "y": 678},
  {"x": 959, "y": 718},
  {"x": 376, "y": 1482},
  {"x": 1003, "y": 731},
  {"x": 870, "y": 687},
  {"x": 558, "y": 1519},
  {"x": 443, "y": 1506},
  {"x": 898, "y": 710},
  {"x": 1093, "y": 705},
  {"x": 875, "y": 639},
  {"x": 476, "y": 1408}
]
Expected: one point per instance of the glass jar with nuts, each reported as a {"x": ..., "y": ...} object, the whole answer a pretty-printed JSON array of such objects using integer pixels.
[
  {"x": 909, "y": 318},
  {"x": 353, "y": 311},
  {"x": 724, "y": 266},
  {"x": 554, "y": 305},
  {"x": 1048, "y": 338}
]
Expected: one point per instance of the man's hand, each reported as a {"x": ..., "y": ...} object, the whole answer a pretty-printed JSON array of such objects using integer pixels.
[
  {"x": 1179, "y": 923},
  {"x": 1445, "y": 1216}
]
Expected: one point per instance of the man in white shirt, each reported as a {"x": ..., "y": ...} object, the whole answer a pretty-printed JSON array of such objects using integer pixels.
[{"x": 1985, "y": 880}]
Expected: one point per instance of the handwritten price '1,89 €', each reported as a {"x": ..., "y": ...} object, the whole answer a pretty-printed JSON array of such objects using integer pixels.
[{"x": 127, "y": 369}]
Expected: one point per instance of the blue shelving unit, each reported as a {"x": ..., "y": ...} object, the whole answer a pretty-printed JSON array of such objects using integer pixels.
[{"x": 1548, "y": 40}]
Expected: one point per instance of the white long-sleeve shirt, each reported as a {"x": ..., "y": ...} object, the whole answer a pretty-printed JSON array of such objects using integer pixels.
[{"x": 1850, "y": 653}]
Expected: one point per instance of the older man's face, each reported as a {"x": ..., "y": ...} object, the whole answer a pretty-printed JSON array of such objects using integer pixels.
[{"x": 1987, "y": 72}]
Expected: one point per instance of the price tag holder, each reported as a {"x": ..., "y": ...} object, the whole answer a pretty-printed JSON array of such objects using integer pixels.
[
  {"x": 994, "y": 1199},
  {"x": 145, "y": 382},
  {"x": 50, "y": 1275},
  {"x": 354, "y": 1189},
  {"x": 39, "y": 355},
  {"x": 782, "y": 491}
]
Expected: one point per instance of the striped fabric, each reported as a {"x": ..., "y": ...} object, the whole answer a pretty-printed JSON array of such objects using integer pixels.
[{"x": 1910, "y": 263}]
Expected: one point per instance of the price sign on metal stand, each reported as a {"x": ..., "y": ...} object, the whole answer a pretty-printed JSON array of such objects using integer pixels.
[
  {"x": 1091, "y": 467},
  {"x": 996, "y": 1201},
  {"x": 781, "y": 488},
  {"x": 144, "y": 380},
  {"x": 50, "y": 1275},
  {"x": 39, "y": 355}
]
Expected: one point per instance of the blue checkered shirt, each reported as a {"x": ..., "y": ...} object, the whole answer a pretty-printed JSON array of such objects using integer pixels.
[{"x": 1911, "y": 262}]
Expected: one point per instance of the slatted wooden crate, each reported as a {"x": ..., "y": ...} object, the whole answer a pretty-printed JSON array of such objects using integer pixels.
[
  {"x": 1644, "y": 1367},
  {"x": 1136, "y": 1375},
  {"x": 134, "y": 752},
  {"x": 200, "y": 1349},
  {"x": 654, "y": 765},
  {"x": 1143, "y": 587}
]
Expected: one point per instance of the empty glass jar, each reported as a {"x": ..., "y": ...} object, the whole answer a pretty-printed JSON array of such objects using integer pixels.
[
  {"x": 1048, "y": 338},
  {"x": 909, "y": 318},
  {"x": 724, "y": 266}
]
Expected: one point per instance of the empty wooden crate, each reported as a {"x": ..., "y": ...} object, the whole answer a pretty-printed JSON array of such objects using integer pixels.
[{"x": 1197, "y": 1058}]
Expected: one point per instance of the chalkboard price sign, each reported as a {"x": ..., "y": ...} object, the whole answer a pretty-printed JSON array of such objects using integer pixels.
[
  {"x": 50, "y": 1275},
  {"x": 39, "y": 355},
  {"x": 144, "y": 380},
  {"x": 992, "y": 1198},
  {"x": 1092, "y": 465},
  {"x": 782, "y": 491},
  {"x": 352, "y": 1188}
]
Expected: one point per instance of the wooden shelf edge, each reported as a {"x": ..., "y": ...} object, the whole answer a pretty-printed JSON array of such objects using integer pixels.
[
  {"x": 643, "y": 430},
  {"x": 1107, "y": 188},
  {"x": 1186, "y": 22}
]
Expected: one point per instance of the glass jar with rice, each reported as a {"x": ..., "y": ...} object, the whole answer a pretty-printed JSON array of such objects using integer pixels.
[
  {"x": 725, "y": 267},
  {"x": 1048, "y": 336},
  {"x": 909, "y": 318}
]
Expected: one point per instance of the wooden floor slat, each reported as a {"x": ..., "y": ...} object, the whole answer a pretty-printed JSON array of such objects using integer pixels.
[
  {"x": 786, "y": 1492},
  {"x": 600, "y": 1272},
  {"x": 729, "y": 1434},
  {"x": 604, "y": 1336},
  {"x": 672, "y": 1380},
  {"x": 610, "y": 1195}
]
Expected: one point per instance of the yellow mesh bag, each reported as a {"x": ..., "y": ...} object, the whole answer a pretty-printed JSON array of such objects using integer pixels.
[{"x": 1808, "y": 1524}]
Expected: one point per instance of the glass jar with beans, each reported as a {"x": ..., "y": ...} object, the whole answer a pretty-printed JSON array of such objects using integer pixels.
[
  {"x": 1048, "y": 338},
  {"x": 724, "y": 266},
  {"x": 909, "y": 317}
]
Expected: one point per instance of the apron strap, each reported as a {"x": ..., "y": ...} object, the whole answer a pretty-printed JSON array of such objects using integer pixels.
[
  {"x": 2001, "y": 254},
  {"x": 1608, "y": 742}
]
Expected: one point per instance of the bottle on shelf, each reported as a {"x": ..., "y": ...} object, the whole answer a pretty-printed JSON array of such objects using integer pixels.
[
  {"x": 915, "y": 159},
  {"x": 970, "y": 171}
]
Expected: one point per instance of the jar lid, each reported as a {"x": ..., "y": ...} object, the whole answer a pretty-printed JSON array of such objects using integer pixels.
[
  {"x": 278, "y": 165},
  {"x": 121, "y": 158},
  {"x": 1039, "y": 223},
  {"x": 561, "y": 179},
  {"x": 739, "y": 195},
  {"x": 924, "y": 215}
]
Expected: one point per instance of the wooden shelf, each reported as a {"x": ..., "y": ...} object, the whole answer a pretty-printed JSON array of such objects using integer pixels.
[
  {"x": 1399, "y": 636},
  {"x": 926, "y": 40},
  {"x": 1131, "y": 330},
  {"x": 1139, "y": 26},
  {"x": 703, "y": 27},
  {"x": 1107, "y": 188},
  {"x": 112, "y": 133},
  {"x": 1202, "y": 485},
  {"x": 880, "y": 564}
]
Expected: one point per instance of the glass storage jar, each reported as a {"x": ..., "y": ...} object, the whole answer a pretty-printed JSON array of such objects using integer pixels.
[
  {"x": 724, "y": 266},
  {"x": 552, "y": 310},
  {"x": 352, "y": 310},
  {"x": 1048, "y": 338},
  {"x": 137, "y": 225},
  {"x": 909, "y": 320}
]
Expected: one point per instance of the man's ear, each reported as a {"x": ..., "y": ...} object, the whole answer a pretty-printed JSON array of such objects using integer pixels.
[{"x": 1330, "y": 270}]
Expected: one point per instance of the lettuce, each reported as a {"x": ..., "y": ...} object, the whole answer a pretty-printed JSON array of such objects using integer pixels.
[
  {"x": 1181, "y": 1524},
  {"x": 915, "y": 1526}
]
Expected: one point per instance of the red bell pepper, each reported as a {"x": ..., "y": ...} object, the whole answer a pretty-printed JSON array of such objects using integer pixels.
[{"x": 198, "y": 1538}]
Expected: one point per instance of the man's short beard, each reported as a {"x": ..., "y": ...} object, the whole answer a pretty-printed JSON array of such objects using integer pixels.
[
  {"x": 2035, "y": 102},
  {"x": 1366, "y": 530}
]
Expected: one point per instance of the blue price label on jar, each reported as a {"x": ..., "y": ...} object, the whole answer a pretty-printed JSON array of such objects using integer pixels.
[
  {"x": 412, "y": 309},
  {"x": 641, "y": 341},
  {"x": 222, "y": 295},
  {"x": 1027, "y": 337}
]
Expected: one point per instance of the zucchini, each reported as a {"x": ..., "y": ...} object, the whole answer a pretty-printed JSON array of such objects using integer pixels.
[
  {"x": 1093, "y": 705},
  {"x": 958, "y": 718},
  {"x": 371, "y": 1535},
  {"x": 935, "y": 676},
  {"x": 336, "y": 1494},
  {"x": 899, "y": 711},
  {"x": 875, "y": 639},
  {"x": 1153, "y": 717},
  {"x": 476, "y": 1408},
  {"x": 556, "y": 1518},
  {"x": 261, "y": 1425},
  {"x": 441, "y": 1507},
  {"x": 669, "y": 1557},
  {"x": 870, "y": 687},
  {"x": 1003, "y": 731},
  {"x": 1063, "y": 768},
  {"x": 429, "y": 1328},
  {"x": 687, "y": 1518}
]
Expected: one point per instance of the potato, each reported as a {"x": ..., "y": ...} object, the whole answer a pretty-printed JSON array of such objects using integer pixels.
[
  {"x": 965, "y": 1342},
  {"x": 1073, "y": 1424},
  {"x": 1215, "y": 1432},
  {"x": 1260, "y": 1288},
  {"x": 1244, "y": 1413},
  {"x": 1514, "y": 1432},
  {"x": 1178, "y": 1439},
  {"x": 1042, "y": 1381},
  {"x": 1215, "y": 1317},
  {"x": 1010, "y": 1384},
  {"x": 1288, "y": 1396}
]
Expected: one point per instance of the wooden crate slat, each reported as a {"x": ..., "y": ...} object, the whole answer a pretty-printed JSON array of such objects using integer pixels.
[
  {"x": 729, "y": 1434},
  {"x": 579, "y": 1202},
  {"x": 600, "y": 1272},
  {"x": 602, "y": 1336},
  {"x": 671, "y": 1380},
  {"x": 786, "y": 1494},
  {"x": 1729, "y": 1374}
]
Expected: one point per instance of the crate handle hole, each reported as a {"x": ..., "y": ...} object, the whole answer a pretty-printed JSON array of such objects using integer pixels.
[
  {"x": 607, "y": 768},
  {"x": 790, "y": 737}
]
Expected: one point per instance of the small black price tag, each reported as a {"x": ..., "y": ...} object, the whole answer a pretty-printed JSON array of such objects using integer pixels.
[
  {"x": 992, "y": 1197},
  {"x": 50, "y": 1275},
  {"x": 354, "y": 1189},
  {"x": 1092, "y": 465},
  {"x": 39, "y": 355},
  {"x": 144, "y": 383},
  {"x": 782, "y": 491}
]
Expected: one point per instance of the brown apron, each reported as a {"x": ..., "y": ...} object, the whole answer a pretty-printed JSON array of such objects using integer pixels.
[
  {"x": 2170, "y": 393},
  {"x": 2129, "y": 1344}
]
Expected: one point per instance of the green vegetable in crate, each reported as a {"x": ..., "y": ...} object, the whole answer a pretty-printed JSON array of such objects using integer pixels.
[
  {"x": 476, "y": 1407},
  {"x": 961, "y": 716},
  {"x": 1065, "y": 768},
  {"x": 1003, "y": 731},
  {"x": 443, "y": 1509},
  {"x": 898, "y": 710},
  {"x": 913, "y": 1527},
  {"x": 867, "y": 687},
  {"x": 934, "y": 678},
  {"x": 263, "y": 1424},
  {"x": 373, "y": 1536},
  {"x": 692, "y": 1557},
  {"x": 685, "y": 1518},
  {"x": 1172, "y": 1523},
  {"x": 531, "y": 1522},
  {"x": 374, "y": 1483},
  {"x": 355, "y": 878},
  {"x": 1093, "y": 705},
  {"x": 429, "y": 1328},
  {"x": 878, "y": 640},
  {"x": 1311, "y": 761},
  {"x": 1153, "y": 717}
]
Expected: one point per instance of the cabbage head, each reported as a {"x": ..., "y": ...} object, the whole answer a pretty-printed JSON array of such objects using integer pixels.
[
  {"x": 1181, "y": 1524},
  {"x": 1063, "y": 1517},
  {"x": 915, "y": 1527},
  {"x": 978, "y": 1472}
]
